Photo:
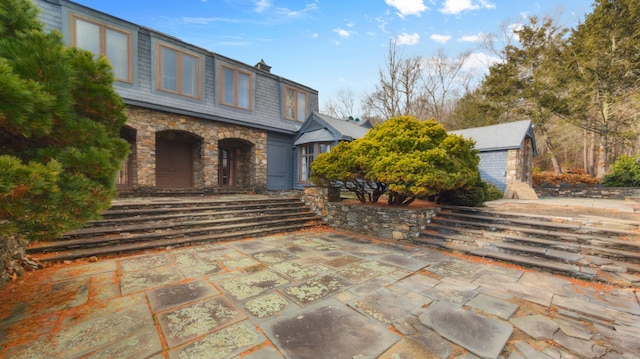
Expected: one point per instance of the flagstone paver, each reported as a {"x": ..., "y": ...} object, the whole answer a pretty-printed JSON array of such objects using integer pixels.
[
  {"x": 330, "y": 330},
  {"x": 186, "y": 323},
  {"x": 483, "y": 336},
  {"x": 537, "y": 326},
  {"x": 315, "y": 295},
  {"x": 492, "y": 305},
  {"x": 175, "y": 295}
]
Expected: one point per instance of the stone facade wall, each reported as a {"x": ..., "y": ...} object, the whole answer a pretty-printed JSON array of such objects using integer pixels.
[
  {"x": 587, "y": 192},
  {"x": 399, "y": 223},
  {"x": 148, "y": 122},
  {"x": 12, "y": 252}
]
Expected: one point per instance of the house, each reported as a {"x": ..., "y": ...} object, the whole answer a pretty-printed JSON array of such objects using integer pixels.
[
  {"x": 506, "y": 152},
  {"x": 199, "y": 122},
  {"x": 319, "y": 134}
]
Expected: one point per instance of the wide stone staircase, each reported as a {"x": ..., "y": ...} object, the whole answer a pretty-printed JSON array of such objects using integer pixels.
[
  {"x": 597, "y": 248},
  {"x": 139, "y": 224}
]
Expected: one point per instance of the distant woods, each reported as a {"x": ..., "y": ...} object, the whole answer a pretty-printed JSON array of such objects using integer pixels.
[{"x": 579, "y": 86}]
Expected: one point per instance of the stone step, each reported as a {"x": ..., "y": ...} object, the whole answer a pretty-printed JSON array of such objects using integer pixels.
[
  {"x": 141, "y": 224},
  {"x": 613, "y": 240},
  {"x": 554, "y": 266},
  {"x": 115, "y": 214},
  {"x": 589, "y": 221},
  {"x": 177, "y": 224},
  {"x": 136, "y": 219},
  {"x": 163, "y": 243},
  {"x": 538, "y": 222},
  {"x": 106, "y": 240},
  {"x": 557, "y": 244}
]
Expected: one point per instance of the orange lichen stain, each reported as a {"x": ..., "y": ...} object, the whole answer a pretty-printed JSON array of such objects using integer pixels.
[{"x": 393, "y": 329}]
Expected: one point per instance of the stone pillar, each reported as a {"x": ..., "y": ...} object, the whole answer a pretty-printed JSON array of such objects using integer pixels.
[{"x": 146, "y": 156}]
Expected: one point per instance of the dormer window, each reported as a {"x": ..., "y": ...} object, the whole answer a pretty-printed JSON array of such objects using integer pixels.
[
  {"x": 235, "y": 88},
  {"x": 178, "y": 71},
  {"x": 295, "y": 104},
  {"x": 105, "y": 40}
]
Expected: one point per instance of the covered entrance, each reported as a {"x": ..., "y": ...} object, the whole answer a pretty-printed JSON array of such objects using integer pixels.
[
  {"x": 175, "y": 159},
  {"x": 125, "y": 178},
  {"x": 235, "y": 168}
]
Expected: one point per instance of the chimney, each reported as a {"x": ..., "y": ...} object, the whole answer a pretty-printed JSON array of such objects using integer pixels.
[{"x": 263, "y": 66}]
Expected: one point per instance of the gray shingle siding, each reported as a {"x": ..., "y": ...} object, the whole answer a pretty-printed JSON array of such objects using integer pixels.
[
  {"x": 144, "y": 61},
  {"x": 50, "y": 15},
  {"x": 267, "y": 111},
  {"x": 493, "y": 168}
]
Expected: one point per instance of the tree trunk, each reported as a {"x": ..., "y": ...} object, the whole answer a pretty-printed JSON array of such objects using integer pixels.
[{"x": 603, "y": 149}]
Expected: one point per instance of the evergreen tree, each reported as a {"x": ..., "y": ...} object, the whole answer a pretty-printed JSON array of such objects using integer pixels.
[
  {"x": 411, "y": 158},
  {"x": 604, "y": 59},
  {"x": 60, "y": 118}
]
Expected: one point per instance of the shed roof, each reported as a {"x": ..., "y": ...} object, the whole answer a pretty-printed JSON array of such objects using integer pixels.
[{"x": 502, "y": 136}]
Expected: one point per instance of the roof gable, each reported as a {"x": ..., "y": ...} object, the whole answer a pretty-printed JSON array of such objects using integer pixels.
[
  {"x": 502, "y": 136},
  {"x": 319, "y": 128}
]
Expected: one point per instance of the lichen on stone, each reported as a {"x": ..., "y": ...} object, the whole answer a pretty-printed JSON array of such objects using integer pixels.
[
  {"x": 254, "y": 284},
  {"x": 220, "y": 344},
  {"x": 314, "y": 289},
  {"x": 198, "y": 319},
  {"x": 294, "y": 270},
  {"x": 239, "y": 263},
  {"x": 266, "y": 305}
]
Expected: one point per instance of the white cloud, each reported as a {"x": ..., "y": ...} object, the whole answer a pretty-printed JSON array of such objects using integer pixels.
[
  {"x": 342, "y": 32},
  {"x": 350, "y": 24},
  {"x": 314, "y": 35},
  {"x": 480, "y": 61},
  {"x": 262, "y": 5},
  {"x": 472, "y": 38},
  {"x": 297, "y": 13},
  {"x": 455, "y": 7},
  {"x": 408, "y": 7},
  {"x": 443, "y": 39},
  {"x": 206, "y": 20},
  {"x": 408, "y": 39}
]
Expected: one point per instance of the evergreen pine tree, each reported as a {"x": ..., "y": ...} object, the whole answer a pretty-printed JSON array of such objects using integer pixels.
[{"x": 60, "y": 119}]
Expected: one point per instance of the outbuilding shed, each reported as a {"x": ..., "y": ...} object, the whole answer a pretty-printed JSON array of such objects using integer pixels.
[{"x": 506, "y": 152}]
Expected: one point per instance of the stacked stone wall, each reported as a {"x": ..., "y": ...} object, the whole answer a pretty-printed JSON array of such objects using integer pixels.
[
  {"x": 399, "y": 223},
  {"x": 587, "y": 192},
  {"x": 148, "y": 122}
]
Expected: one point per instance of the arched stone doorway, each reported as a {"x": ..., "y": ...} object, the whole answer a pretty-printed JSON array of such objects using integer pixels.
[
  {"x": 178, "y": 159},
  {"x": 127, "y": 176},
  {"x": 235, "y": 165}
]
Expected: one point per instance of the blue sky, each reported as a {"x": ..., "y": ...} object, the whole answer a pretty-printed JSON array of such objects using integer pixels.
[{"x": 332, "y": 45}]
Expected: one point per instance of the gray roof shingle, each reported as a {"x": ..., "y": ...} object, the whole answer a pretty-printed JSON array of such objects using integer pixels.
[{"x": 502, "y": 136}]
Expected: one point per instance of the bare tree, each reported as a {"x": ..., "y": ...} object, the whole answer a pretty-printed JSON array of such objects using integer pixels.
[
  {"x": 340, "y": 106},
  {"x": 444, "y": 80},
  {"x": 421, "y": 87},
  {"x": 386, "y": 99}
]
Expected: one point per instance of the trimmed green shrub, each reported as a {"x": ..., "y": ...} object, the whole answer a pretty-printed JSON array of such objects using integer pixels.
[{"x": 625, "y": 172}]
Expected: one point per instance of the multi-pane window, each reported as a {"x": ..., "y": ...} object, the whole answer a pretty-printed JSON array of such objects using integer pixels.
[
  {"x": 178, "y": 71},
  {"x": 295, "y": 104},
  {"x": 105, "y": 40},
  {"x": 308, "y": 153},
  {"x": 235, "y": 88}
]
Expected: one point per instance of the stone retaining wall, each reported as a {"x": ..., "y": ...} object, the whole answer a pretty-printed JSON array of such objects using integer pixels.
[
  {"x": 587, "y": 192},
  {"x": 12, "y": 252},
  {"x": 399, "y": 223}
]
